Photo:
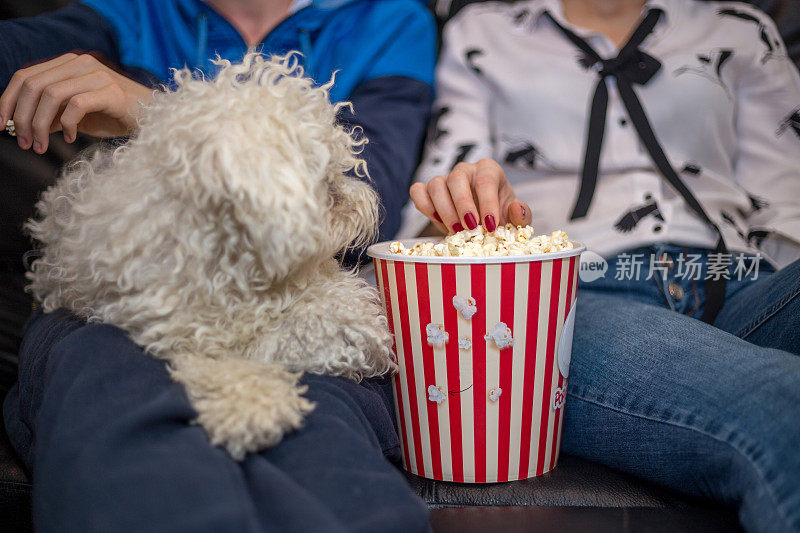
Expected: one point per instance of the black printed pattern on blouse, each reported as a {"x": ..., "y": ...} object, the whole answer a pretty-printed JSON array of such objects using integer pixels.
[
  {"x": 756, "y": 237},
  {"x": 728, "y": 219},
  {"x": 520, "y": 17},
  {"x": 771, "y": 43},
  {"x": 435, "y": 132},
  {"x": 630, "y": 219},
  {"x": 692, "y": 168},
  {"x": 757, "y": 203},
  {"x": 709, "y": 66},
  {"x": 523, "y": 154},
  {"x": 470, "y": 56},
  {"x": 792, "y": 121},
  {"x": 461, "y": 155}
]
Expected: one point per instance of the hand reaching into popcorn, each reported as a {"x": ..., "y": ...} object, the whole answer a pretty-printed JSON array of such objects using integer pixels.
[
  {"x": 472, "y": 194},
  {"x": 70, "y": 93}
]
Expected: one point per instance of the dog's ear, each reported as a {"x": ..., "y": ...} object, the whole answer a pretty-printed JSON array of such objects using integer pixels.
[
  {"x": 354, "y": 214},
  {"x": 353, "y": 219}
]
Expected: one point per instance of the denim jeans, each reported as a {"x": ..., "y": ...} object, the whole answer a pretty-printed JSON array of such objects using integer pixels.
[{"x": 710, "y": 411}]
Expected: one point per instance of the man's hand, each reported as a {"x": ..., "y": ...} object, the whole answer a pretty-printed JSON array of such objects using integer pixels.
[
  {"x": 70, "y": 93},
  {"x": 471, "y": 194}
]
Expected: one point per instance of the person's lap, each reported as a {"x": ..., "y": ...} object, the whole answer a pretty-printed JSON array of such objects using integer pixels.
[
  {"x": 112, "y": 447},
  {"x": 687, "y": 405}
]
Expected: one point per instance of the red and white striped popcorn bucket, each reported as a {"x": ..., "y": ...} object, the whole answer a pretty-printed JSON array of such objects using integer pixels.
[{"x": 483, "y": 345}]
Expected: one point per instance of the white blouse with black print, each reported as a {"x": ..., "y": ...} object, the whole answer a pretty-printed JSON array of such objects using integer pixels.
[{"x": 725, "y": 106}]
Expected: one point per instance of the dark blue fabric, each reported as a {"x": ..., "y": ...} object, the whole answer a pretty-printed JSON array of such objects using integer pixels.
[
  {"x": 393, "y": 112},
  {"x": 109, "y": 440},
  {"x": 75, "y": 27}
]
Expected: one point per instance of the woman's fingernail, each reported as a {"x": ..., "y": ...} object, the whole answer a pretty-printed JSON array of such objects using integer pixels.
[
  {"x": 489, "y": 222},
  {"x": 457, "y": 227},
  {"x": 23, "y": 142},
  {"x": 436, "y": 217},
  {"x": 68, "y": 138},
  {"x": 37, "y": 146},
  {"x": 524, "y": 212},
  {"x": 469, "y": 218}
]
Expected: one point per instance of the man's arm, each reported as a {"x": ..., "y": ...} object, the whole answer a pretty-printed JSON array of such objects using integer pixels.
[
  {"x": 393, "y": 112},
  {"x": 71, "y": 91},
  {"x": 75, "y": 27}
]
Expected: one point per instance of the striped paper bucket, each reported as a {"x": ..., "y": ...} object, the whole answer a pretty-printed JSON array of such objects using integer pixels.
[{"x": 483, "y": 346}]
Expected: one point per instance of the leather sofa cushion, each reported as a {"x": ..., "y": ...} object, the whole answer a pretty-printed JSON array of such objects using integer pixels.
[
  {"x": 15, "y": 490},
  {"x": 575, "y": 482}
]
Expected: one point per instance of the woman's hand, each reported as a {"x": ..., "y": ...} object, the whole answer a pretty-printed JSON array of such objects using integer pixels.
[
  {"x": 70, "y": 93},
  {"x": 472, "y": 193}
]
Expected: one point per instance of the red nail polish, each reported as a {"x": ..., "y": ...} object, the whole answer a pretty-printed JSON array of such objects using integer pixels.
[
  {"x": 489, "y": 223},
  {"x": 469, "y": 218},
  {"x": 457, "y": 227},
  {"x": 436, "y": 217},
  {"x": 523, "y": 212}
]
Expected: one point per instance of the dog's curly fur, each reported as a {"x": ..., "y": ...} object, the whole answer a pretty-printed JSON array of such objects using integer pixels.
[{"x": 210, "y": 239}]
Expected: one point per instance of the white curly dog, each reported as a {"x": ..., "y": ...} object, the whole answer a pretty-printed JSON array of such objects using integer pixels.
[{"x": 210, "y": 239}]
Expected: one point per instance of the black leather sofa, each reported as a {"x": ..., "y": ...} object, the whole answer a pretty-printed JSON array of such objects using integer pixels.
[{"x": 577, "y": 496}]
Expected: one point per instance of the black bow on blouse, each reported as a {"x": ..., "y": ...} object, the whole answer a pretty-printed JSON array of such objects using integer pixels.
[
  {"x": 631, "y": 65},
  {"x": 634, "y": 66}
]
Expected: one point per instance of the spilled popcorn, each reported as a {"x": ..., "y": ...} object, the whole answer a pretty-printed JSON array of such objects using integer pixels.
[{"x": 505, "y": 240}]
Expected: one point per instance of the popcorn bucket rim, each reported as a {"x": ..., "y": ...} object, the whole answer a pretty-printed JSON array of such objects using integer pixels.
[{"x": 381, "y": 251}]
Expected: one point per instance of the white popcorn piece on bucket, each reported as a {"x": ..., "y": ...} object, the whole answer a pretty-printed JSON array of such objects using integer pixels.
[
  {"x": 436, "y": 394},
  {"x": 500, "y": 335},
  {"x": 559, "y": 395},
  {"x": 464, "y": 343},
  {"x": 465, "y": 305},
  {"x": 494, "y": 394},
  {"x": 437, "y": 336}
]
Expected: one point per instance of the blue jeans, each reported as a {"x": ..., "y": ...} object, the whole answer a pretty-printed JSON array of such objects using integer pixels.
[{"x": 710, "y": 411}]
